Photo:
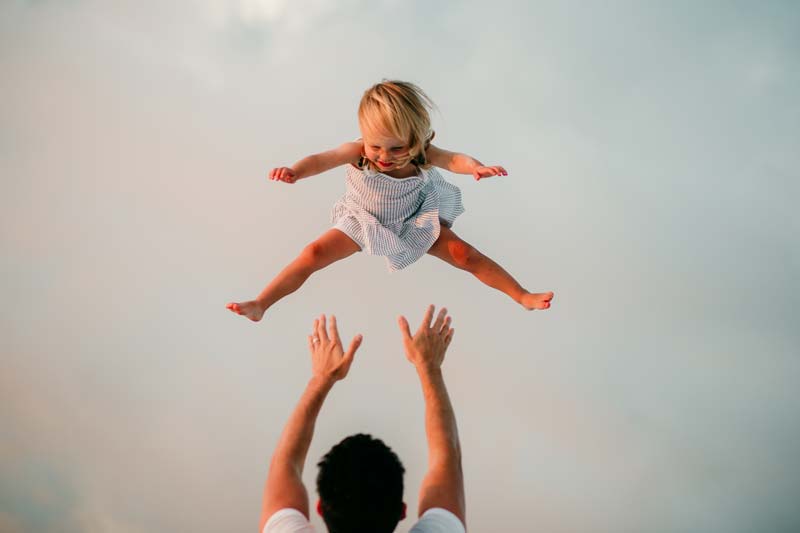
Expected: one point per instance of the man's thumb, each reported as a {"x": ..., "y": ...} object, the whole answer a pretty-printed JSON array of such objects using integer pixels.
[
  {"x": 354, "y": 344},
  {"x": 404, "y": 329}
]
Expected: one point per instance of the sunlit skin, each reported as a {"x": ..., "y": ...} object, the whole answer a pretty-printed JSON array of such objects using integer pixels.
[
  {"x": 391, "y": 156},
  {"x": 443, "y": 483}
]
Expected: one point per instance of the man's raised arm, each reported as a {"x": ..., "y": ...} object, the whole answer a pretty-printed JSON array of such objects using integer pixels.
[
  {"x": 284, "y": 487},
  {"x": 443, "y": 485}
]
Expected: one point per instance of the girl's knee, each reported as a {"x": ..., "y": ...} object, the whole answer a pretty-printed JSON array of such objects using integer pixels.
[
  {"x": 463, "y": 254},
  {"x": 313, "y": 253}
]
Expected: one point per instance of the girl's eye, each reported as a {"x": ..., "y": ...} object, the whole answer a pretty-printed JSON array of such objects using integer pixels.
[{"x": 397, "y": 148}]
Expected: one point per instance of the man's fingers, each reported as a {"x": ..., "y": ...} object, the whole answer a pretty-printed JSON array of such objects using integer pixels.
[
  {"x": 437, "y": 326},
  {"x": 404, "y": 329},
  {"x": 310, "y": 343},
  {"x": 333, "y": 330},
  {"x": 354, "y": 345},
  {"x": 321, "y": 333},
  {"x": 449, "y": 337},
  {"x": 446, "y": 326},
  {"x": 426, "y": 320}
]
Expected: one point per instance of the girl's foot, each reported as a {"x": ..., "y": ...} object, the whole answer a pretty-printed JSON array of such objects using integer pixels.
[
  {"x": 536, "y": 300},
  {"x": 251, "y": 309}
]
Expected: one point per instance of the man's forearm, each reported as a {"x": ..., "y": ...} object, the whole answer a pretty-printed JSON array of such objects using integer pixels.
[
  {"x": 299, "y": 430},
  {"x": 440, "y": 419}
]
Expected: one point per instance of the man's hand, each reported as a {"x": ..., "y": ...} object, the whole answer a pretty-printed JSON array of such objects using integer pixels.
[
  {"x": 484, "y": 172},
  {"x": 443, "y": 484},
  {"x": 284, "y": 174},
  {"x": 284, "y": 487},
  {"x": 427, "y": 347},
  {"x": 328, "y": 360}
]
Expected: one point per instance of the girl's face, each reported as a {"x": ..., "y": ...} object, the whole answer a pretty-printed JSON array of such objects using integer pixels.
[{"x": 385, "y": 151}]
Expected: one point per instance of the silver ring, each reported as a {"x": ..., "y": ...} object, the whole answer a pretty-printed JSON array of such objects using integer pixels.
[{"x": 315, "y": 340}]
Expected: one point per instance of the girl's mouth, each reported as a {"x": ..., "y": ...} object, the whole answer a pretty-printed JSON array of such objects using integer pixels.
[{"x": 384, "y": 165}]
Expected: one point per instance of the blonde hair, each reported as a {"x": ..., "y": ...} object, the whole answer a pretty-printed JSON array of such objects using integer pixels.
[{"x": 401, "y": 109}]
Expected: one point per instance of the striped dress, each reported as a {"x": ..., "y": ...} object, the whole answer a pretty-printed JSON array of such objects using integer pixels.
[{"x": 396, "y": 218}]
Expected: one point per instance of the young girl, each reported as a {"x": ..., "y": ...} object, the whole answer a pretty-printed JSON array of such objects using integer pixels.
[{"x": 396, "y": 205}]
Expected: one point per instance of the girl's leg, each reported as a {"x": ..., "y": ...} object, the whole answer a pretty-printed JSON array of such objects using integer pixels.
[
  {"x": 330, "y": 247},
  {"x": 450, "y": 248}
]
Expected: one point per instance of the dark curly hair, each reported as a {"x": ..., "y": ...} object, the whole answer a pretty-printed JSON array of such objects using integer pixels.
[{"x": 360, "y": 485}]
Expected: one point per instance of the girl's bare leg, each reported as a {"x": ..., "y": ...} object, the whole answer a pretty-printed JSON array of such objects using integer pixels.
[
  {"x": 450, "y": 248},
  {"x": 330, "y": 247}
]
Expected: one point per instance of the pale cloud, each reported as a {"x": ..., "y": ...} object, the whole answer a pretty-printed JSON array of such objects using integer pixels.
[
  {"x": 651, "y": 187},
  {"x": 98, "y": 515},
  {"x": 9, "y": 523},
  {"x": 255, "y": 11},
  {"x": 282, "y": 15}
]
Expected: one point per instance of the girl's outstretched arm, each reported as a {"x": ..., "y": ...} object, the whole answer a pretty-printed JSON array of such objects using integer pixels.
[
  {"x": 318, "y": 163},
  {"x": 461, "y": 163}
]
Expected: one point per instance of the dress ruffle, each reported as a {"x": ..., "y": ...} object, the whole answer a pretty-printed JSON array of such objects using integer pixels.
[{"x": 396, "y": 218}]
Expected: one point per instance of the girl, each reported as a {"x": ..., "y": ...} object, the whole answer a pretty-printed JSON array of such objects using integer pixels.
[{"x": 396, "y": 204}]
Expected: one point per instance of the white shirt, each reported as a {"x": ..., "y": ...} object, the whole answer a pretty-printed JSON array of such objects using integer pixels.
[{"x": 434, "y": 520}]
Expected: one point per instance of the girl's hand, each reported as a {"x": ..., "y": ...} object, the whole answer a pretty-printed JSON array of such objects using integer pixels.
[
  {"x": 284, "y": 174},
  {"x": 485, "y": 172}
]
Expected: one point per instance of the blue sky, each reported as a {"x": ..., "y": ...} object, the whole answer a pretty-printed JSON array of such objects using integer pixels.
[{"x": 652, "y": 157}]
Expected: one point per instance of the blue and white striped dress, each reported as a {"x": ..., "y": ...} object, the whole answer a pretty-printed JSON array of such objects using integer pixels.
[{"x": 396, "y": 218}]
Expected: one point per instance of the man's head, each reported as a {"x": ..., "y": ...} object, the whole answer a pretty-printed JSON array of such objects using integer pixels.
[{"x": 360, "y": 485}]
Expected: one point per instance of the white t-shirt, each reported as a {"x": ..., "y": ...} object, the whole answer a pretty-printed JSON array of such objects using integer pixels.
[{"x": 436, "y": 520}]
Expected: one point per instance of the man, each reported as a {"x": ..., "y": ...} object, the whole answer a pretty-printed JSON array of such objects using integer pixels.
[{"x": 360, "y": 481}]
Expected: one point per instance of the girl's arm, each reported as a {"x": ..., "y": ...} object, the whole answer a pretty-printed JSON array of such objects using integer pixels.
[
  {"x": 318, "y": 163},
  {"x": 461, "y": 163}
]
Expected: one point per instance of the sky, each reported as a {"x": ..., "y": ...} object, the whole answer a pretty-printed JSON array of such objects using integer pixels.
[{"x": 652, "y": 151}]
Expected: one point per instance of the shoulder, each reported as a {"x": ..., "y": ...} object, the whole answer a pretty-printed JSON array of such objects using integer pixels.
[
  {"x": 288, "y": 521},
  {"x": 351, "y": 150},
  {"x": 439, "y": 520},
  {"x": 354, "y": 151},
  {"x": 348, "y": 152},
  {"x": 438, "y": 157}
]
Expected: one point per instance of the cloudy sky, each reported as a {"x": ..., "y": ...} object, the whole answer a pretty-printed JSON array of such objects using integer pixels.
[{"x": 652, "y": 150}]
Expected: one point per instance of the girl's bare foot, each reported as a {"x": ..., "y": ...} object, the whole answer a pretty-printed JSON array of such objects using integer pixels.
[
  {"x": 251, "y": 309},
  {"x": 536, "y": 300}
]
